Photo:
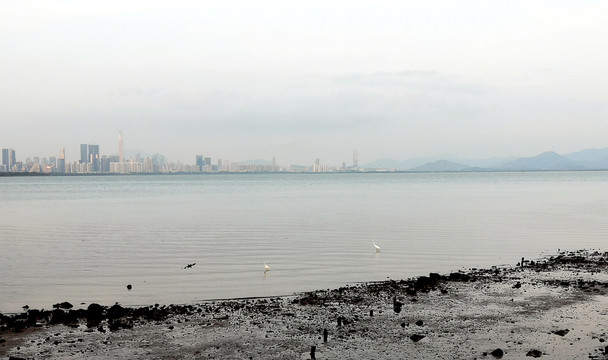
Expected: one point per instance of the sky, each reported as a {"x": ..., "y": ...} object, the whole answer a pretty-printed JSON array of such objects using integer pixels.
[{"x": 300, "y": 80}]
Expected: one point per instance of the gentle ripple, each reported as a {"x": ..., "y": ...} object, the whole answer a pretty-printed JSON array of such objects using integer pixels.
[{"x": 83, "y": 239}]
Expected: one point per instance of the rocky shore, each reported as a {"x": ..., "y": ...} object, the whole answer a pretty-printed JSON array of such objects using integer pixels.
[{"x": 555, "y": 307}]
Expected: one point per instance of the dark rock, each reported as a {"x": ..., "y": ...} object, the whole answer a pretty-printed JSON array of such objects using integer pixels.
[
  {"x": 419, "y": 322},
  {"x": 534, "y": 353},
  {"x": 64, "y": 305},
  {"x": 435, "y": 277},
  {"x": 425, "y": 283},
  {"x": 16, "y": 358},
  {"x": 457, "y": 276},
  {"x": 397, "y": 306},
  {"x": 561, "y": 332},
  {"x": 57, "y": 317},
  {"x": 517, "y": 285},
  {"x": 71, "y": 319},
  {"x": 116, "y": 311},
  {"x": 19, "y": 324},
  {"x": 94, "y": 315},
  {"x": 417, "y": 337},
  {"x": 411, "y": 291},
  {"x": 129, "y": 287},
  {"x": 33, "y": 315},
  {"x": 114, "y": 325},
  {"x": 498, "y": 353}
]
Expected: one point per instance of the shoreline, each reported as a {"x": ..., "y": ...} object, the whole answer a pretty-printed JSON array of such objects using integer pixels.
[
  {"x": 369, "y": 171},
  {"x": 551, "y": 307}
]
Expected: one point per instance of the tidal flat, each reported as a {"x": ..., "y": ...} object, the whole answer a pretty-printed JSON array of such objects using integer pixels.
[{"x": 554, "y": 307}]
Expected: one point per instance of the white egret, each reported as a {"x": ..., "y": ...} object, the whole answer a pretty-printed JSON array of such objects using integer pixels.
[
  {"x": 376, "y": 246},
  {"x": 266, "y": 267}
]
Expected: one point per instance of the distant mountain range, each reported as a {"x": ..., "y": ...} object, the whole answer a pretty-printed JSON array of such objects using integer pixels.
[{"x": 589, "y": 159}]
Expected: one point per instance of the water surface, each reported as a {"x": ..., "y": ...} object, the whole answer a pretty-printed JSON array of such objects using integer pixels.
[{"x": 83, "y": 239}]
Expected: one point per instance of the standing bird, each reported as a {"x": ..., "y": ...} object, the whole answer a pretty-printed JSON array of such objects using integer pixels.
[
  {"x": 376, "y": 246},
  {"x": 266, "y": 267}
]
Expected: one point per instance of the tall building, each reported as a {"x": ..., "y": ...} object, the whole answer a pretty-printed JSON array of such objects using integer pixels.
[
  {"x": 61, "y": 162},
  {"x": 200, "y": 162},
  {"x": 121, "y": 148},
  {"x": 104, "y": 164},
  {"x": 84, "y": 153},
  {"x": 94, "y": 158},
  {"x": 5, "y": 159},
  {"x": 8, "y": 158},
  {"x": 148, "y": 165},
  {"x": 355, "y": 159}
]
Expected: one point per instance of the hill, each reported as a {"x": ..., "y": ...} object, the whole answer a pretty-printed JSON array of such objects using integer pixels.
[
  {"x": 545, "y": 161},
  {"x": 588, "y": 155},
  {"x": 441, "y": 165}
]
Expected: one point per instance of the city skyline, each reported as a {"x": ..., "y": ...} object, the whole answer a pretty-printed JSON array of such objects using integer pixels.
[
  {"x": 305, "y": 81},
  {"x": 92, "y": 160}
]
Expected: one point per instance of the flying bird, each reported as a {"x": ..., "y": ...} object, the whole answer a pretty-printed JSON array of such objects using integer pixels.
[
  {"x": 266, "y": 267},
  {"x": 376, "y": 246}
]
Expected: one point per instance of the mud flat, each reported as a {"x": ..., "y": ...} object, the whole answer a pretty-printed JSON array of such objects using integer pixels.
[{"x": 555, "y": 308}]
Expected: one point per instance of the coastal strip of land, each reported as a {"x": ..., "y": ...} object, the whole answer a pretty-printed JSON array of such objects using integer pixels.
[{"x": 555, "y": 307}]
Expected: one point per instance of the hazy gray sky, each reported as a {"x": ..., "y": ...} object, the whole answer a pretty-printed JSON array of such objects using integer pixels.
[{"x": 298, "y": 80}]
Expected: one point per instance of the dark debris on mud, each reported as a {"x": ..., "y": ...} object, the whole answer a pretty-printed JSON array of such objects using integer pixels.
[
  {"x": 98, "y": 318},
  {"x": 119, "y": 317}
]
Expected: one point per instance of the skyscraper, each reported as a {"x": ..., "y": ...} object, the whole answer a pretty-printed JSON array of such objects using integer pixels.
[
  {"x": 200, "y": 162},
  {"x": 8, "y": 158},
  {"x": 94, "y": 157},
  {"x": 104, "y": 164},
  {"x": 12, "y": 157},
  {"x": 121, "y": 148},
  {"x": 5, "y": 160},
  {"x": 61, "y": 162},
  {"x": 84, "y": 153}
]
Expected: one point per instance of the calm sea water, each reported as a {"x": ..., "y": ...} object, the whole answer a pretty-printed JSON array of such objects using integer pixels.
[{"x": 83, "y": 239}]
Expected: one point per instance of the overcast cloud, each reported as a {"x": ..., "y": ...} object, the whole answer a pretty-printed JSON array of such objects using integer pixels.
[{"x": 298, "y": 80}]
